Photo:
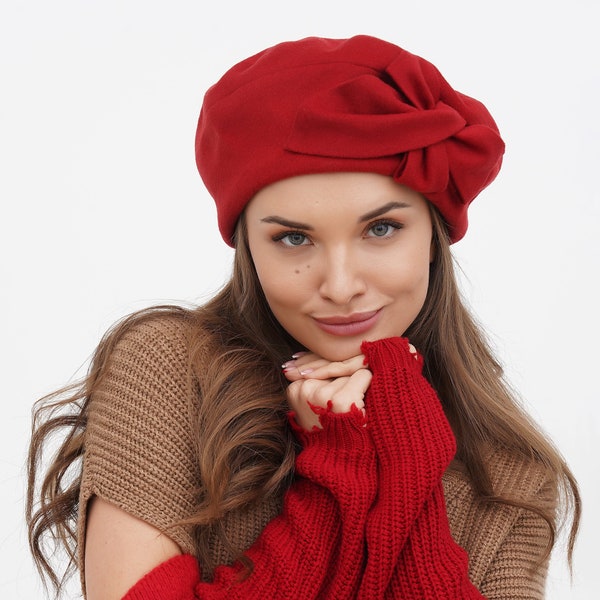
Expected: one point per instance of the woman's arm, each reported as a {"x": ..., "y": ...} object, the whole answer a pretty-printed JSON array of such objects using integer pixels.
[
  {"x": 411, "y": 553},
  {"x": 120, "y": 549},
  {"x": 297, "y": 555},
  {"x": 519, "y": 567},
  {"x": 414, "y": 446}
]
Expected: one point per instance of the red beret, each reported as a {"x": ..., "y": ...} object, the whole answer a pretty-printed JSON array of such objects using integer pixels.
[{"x": 322, "y": 105}]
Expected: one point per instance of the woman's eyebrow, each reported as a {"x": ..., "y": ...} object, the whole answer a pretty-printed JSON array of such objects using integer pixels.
[
  {"x": 366, "y": 217},
  {"x": 286, "y": 223},
  {"x": 382, "y": 210}
]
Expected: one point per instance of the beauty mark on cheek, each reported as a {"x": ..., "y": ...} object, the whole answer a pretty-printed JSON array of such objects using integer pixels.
[{"x": 297, "y": 271}]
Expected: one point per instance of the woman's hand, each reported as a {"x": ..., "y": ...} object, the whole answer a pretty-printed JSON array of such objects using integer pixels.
[{"x": 316, "y": 382}]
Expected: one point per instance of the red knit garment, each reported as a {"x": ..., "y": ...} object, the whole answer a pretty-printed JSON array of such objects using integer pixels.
[{"x": 365, "y": 517}]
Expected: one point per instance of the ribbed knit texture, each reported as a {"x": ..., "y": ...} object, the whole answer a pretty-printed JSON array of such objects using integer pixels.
[
  {"x": 411, "y": 551},
  {"x": 139, "y": 456},
  {"x": 314, "y": 549}
]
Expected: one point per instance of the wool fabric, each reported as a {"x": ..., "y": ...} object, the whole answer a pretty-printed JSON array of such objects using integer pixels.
[
  {"x": 321, "y": 105},
  {"x": 348, "y": 516},
  {"x": 354, "y": 491}
]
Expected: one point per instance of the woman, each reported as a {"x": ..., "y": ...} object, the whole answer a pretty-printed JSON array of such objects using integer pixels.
[{"x": 342, "y": 171}]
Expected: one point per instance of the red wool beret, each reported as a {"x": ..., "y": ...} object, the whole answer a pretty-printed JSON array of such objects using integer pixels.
[{"x": 362, "y": 104}]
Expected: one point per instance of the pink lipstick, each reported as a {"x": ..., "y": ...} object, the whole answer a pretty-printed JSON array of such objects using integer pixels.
[{"x": 349, "y": 325}]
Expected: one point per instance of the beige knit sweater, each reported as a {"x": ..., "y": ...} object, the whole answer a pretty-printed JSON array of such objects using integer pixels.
[{"x": 140, "y": 455}]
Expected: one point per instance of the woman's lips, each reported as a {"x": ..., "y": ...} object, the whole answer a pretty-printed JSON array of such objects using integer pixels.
[{"x": 348, "y": 325}]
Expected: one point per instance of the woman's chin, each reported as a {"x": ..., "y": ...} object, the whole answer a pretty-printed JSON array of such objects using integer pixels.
[
  {"x": 348, "y": 349},
  {"x": 338, "y": 351}
]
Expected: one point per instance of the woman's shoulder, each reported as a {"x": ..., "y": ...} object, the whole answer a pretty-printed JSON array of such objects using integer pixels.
[
  {"x": 519, "y": 477},
  {"x": 159, "y": 329},
  {"x": 141, "y": 435},
  {"x": 155, "y": 346},
  {"x": 145, "y": 375},
  {"x": 512, "y": 475}
]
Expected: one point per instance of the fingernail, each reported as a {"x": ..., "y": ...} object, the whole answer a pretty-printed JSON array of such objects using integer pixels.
[
  {"x": 288, "y": 364},
  {"x": 299, "y": 354},
  {"x": 306, "y": 371}
]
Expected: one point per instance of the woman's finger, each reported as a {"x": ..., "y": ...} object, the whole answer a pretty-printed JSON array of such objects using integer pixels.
[
  {"x": 323, "y": 369},
  {"x": 413, "y": 351},
  {"x": 351, "y": 392},
  {"x": 342, "y": 393},
  {"x": 295, "y": 369}
]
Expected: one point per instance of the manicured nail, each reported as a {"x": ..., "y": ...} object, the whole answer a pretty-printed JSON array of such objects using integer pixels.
[
  {"x": 299, "y": 354},
  {"x": 306, "y": 371},
  {"x": 288, "y": 364}
]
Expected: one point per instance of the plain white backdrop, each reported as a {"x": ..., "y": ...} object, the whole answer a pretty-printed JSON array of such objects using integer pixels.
[{"x": 102, "y": 211}]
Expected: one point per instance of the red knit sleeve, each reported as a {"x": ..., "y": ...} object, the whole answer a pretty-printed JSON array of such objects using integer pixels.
[
  {"x": 411, "y": 551},
  {"x": 315, "y": 548}
]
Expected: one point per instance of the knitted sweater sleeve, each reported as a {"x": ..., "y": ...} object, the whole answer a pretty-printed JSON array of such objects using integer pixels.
[
  {"x": 519, "y": 567},
  {"x": 298, "y": 555},
  {"x": 139, "y": 439},
  {"x": 334, "y": 539},
  {"x": 410, "y": 547}
]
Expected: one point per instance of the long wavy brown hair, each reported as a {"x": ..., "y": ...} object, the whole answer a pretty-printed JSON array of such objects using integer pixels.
[{"x": 246, "y": 450}]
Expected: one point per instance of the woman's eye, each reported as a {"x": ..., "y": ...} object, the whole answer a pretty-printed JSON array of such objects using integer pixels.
[
  {"x": 293, "y": 238},
  {"x": 382, "y": 229}
]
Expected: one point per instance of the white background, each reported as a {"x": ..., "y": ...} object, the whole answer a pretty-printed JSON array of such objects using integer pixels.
[{"x": 102, "y": 211}]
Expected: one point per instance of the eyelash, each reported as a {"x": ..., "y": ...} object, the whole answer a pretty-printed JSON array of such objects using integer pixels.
[
  {"x": 390, "y": 223},
  {"x": 281, "y": 236}
]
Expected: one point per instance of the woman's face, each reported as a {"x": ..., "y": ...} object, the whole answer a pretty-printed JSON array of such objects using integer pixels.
[{"x": 341, "y": 257}]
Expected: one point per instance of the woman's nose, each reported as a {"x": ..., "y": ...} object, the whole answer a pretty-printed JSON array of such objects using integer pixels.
[{"x": 342, "y": 277}]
